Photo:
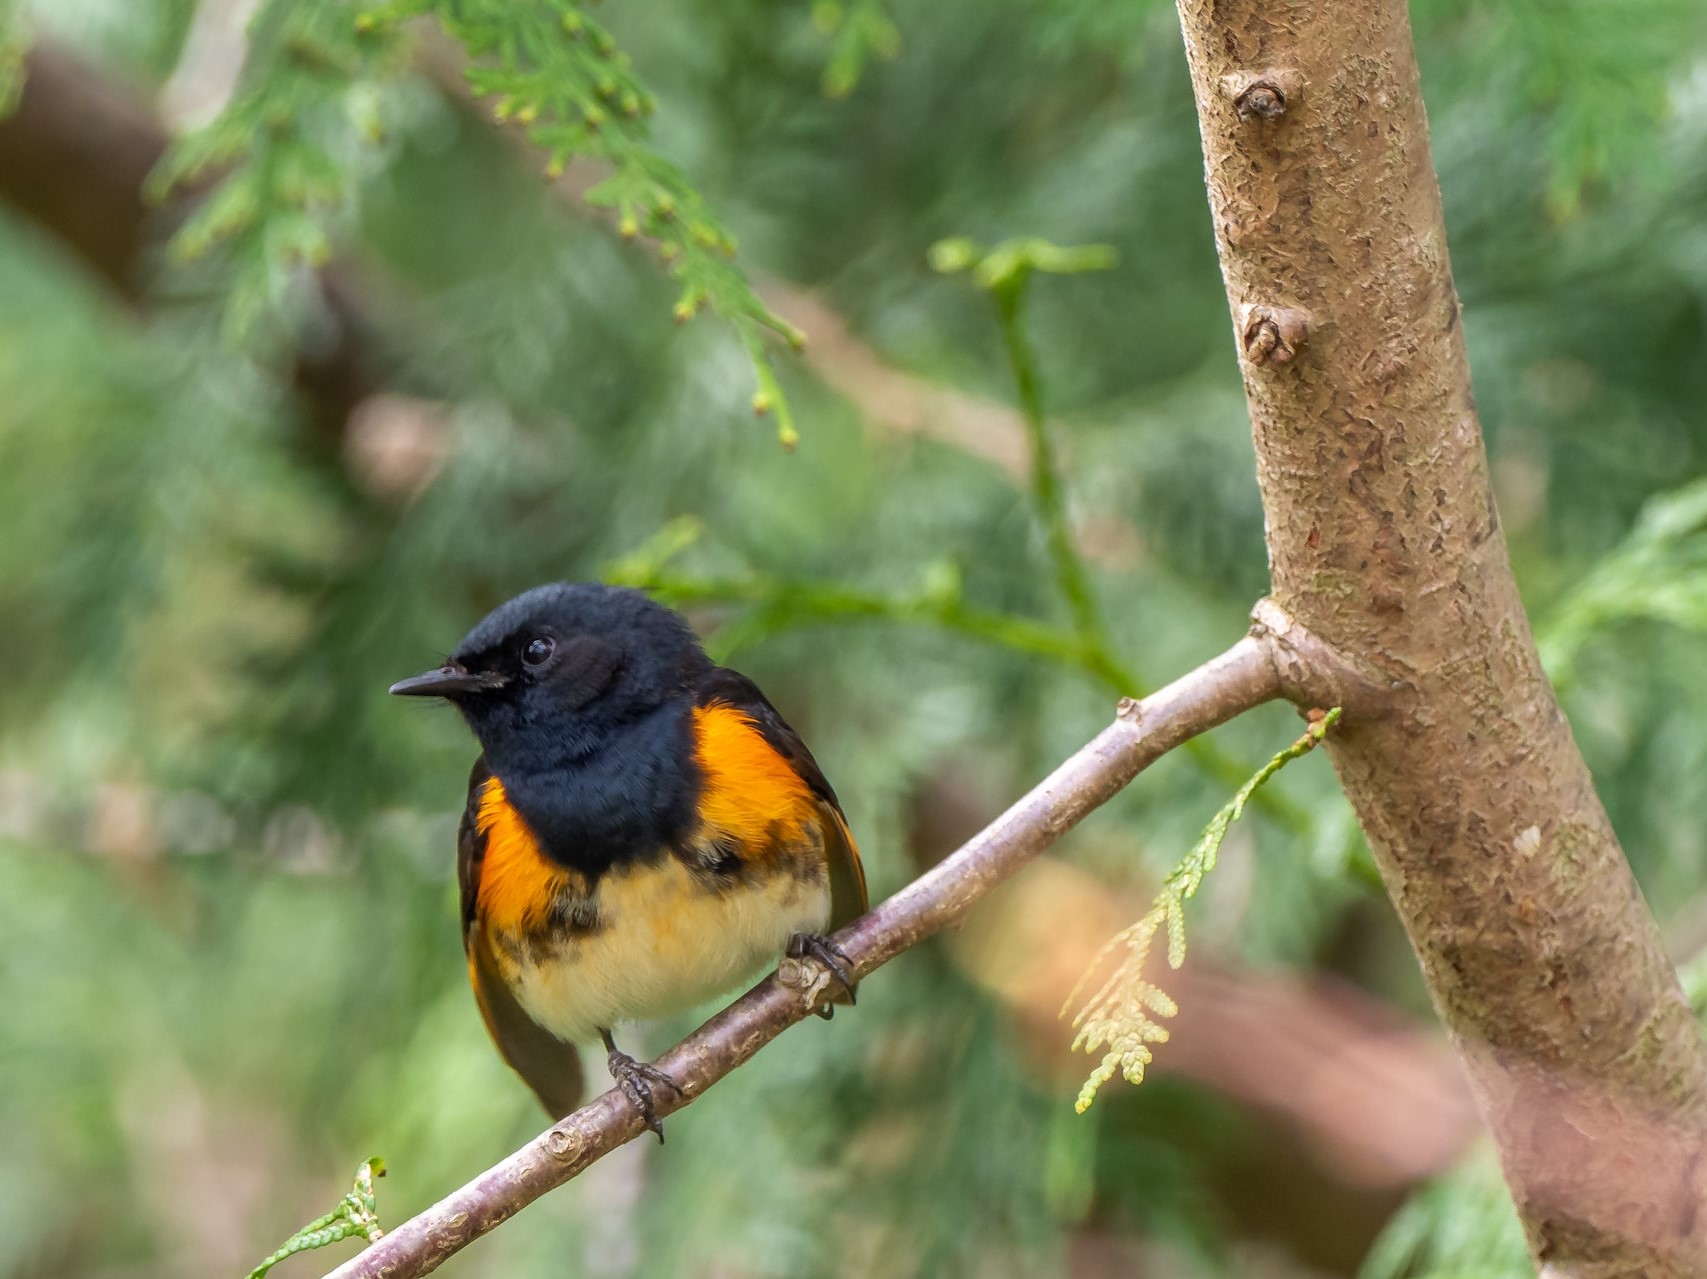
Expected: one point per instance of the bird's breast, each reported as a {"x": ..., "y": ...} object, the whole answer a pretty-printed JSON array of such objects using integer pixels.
[
  {"x": 662, "y": 940},
  {"x": 660, "y": 929}
]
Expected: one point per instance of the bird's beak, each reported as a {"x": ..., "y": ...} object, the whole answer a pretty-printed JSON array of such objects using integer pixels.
[{"x": 449, "y": 680}]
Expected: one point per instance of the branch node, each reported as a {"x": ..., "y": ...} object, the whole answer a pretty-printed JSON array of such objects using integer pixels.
[
  {"x": 1272, "y": 334},
  {"x": 1129, "y": 709},
  {"x": 563, "y": 1144},
  {"x": 806, "y": 977},
  {"x": 1265, "y": 94},
  {"x": 1313, "y": 673}
]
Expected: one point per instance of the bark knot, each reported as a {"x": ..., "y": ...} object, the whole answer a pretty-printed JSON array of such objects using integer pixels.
[
  {"x": 1264, "y": 100},
  {"x": 1272, "y": 334},
  {"x": 1263, "y": 95}
]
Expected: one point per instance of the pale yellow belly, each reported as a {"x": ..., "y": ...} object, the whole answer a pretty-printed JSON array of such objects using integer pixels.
[{"x": 665, "y": 943}]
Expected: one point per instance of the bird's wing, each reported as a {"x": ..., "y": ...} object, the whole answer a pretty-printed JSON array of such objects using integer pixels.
[
  {"x": 848, "y": 899},
  {"x": 546, "y": 1064}
]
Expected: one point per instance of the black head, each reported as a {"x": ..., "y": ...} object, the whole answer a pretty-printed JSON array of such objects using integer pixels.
[{"x": 544, "y": 677}]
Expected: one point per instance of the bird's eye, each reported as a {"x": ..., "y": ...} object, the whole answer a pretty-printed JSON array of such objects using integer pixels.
[{"x": 539, "y": 650}]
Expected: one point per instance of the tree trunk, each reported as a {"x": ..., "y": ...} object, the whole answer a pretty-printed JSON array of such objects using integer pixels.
[{"x": 1385, "y": 545}]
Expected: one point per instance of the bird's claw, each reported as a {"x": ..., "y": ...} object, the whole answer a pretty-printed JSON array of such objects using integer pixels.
[
  {"x": 637, "y": 1079},
  {"x": 827, "y": 953}
]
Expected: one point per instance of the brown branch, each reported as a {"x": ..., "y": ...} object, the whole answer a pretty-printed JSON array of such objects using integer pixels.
[
  {"x": 1386, "y": 548},
  {"x": 73, "y": 156},
  {"x": 1243, "y": 677}
]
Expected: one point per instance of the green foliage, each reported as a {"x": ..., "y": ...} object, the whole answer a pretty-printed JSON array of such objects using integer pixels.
[
  {"x": 1006, "y": 268},
  {"x": 310, "y": 89},
  {"x": 558, "y": 72},
  {"x": 1006, "y": 271},
  {"x": 356, "y": 1216},
  {"x": 1461, "y": 1227},
  {"x": 939, "y": 598},
  {"x": 14, "y": 44},
  {"x": 281, "y": 149},
  {"x": 774, "y": 605},
  {"x": 1658, "y": 573},
  {"x": 214, "y": 819},
  {"x": 1596, "y": 75},
  {"x": 860, "y": 30},
  {"x": 1122, "y": 1015}
]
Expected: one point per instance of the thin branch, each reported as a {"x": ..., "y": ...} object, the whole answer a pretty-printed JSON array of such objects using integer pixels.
[
  {"x": 1242, "y": 677},
  {"x": 1095, "y": 650},
  {"x": 785, "y": 603},
  {"x": 1070, "y": 572}
]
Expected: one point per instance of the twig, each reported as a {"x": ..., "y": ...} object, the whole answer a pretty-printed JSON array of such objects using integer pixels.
[
  {"x": 356, "y": 1214},
  {"x": 1122, "y": 1015},
  {"x": 786, "y": 602},
  {"x": 1070, "y": 573},
  {"x": 1006, "y": 272},
  {"x": 1242, "y": 677}
]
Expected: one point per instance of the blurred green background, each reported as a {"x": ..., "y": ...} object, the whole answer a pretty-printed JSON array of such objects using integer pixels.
[{"x": 239, "y": 496}]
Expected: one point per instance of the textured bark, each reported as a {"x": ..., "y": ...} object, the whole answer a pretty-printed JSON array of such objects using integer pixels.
[{"x": 1386, "y": 546}]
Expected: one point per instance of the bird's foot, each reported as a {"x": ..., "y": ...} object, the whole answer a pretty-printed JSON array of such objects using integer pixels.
[
  {"x": 638, "y": 1080},
  {"x": 827, "y": 953}
]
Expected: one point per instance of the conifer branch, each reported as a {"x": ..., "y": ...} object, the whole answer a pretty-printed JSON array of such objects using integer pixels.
[
  {"x": 356, "y": 1214},
  {"x": 1241, "y": 678},
  {"x": 556, "y": 71},
  {"x": 1122, "y": 1015},
  {"x": 280, "y": 148}
]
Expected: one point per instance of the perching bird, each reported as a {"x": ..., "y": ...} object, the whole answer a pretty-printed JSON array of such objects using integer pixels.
[{"x": 643, "y": 831}]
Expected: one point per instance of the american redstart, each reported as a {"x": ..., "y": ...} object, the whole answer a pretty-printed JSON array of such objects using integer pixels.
[{"x": 643, "y": 831}]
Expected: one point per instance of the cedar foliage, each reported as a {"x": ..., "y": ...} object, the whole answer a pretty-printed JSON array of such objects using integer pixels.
[{"x": 227, "y": 945}]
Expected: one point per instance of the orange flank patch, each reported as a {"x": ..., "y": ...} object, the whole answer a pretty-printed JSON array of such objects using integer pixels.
[
  {"x": 517, "y": 882},
  {"x": 751, "y": 793}
]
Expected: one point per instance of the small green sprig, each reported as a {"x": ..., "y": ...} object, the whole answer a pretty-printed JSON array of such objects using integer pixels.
[
  {"x": 1004, "y": 272},
  {"x": 1124, "y": 1017},
  {"x": 1009, "y": 265},
  {"x": 551, "y": 68},
  {"x": 859, "y": 30},
  {"x": 356, "y": 1214}
]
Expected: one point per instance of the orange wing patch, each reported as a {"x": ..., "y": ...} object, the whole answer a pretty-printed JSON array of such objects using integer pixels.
[
  {"x": 518, "y": 883},
  {"x": 751, "y": 793}
]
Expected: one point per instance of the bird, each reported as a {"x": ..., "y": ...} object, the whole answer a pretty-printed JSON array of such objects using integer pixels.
[{"x": 643, "y": 831}]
